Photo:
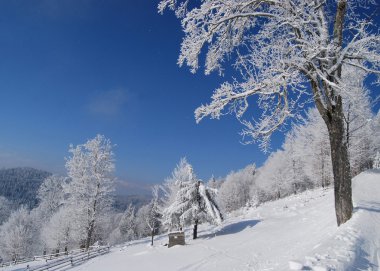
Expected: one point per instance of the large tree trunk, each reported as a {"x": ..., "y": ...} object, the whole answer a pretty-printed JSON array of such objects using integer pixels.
[{"x": 340, "y": 163}]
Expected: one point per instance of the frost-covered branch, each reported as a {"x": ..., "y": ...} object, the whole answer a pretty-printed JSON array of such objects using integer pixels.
[{"x": 284, "y": 49}]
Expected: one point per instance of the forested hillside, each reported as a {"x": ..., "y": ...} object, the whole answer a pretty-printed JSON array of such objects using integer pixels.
[{"x": 20, "y": 185}]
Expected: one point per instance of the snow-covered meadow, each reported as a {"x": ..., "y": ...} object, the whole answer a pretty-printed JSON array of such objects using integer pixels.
[{"x": 298, "y": 232}]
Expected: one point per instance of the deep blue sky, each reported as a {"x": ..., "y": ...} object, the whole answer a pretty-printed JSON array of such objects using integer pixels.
[{"x": 71, "y": 69}]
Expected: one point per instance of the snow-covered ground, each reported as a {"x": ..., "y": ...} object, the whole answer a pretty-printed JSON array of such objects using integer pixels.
[
  {"x": 298, "y": 232},
  {"x": 295, "y": 233}
]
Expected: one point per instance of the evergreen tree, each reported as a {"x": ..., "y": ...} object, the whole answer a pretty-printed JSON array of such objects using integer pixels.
[{"x": 193, "y": 203}]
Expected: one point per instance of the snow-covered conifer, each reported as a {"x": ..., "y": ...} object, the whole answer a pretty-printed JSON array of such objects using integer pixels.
[{"x": 193, "y": 201}]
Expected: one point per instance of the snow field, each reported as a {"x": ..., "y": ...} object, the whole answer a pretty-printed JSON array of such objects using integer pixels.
[{"x": 294, "y": 233}]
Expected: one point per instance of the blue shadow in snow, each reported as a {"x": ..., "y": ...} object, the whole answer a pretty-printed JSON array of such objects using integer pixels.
[
  {"x": 361, "y": 261},
  {"x": 233, "y": 228},
  {"x": 368, "y": 206}
]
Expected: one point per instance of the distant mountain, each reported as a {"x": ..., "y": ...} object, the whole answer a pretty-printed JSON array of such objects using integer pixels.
[
  {"x": 20, "y": 185},
  {"x": 122, "y": 201}
]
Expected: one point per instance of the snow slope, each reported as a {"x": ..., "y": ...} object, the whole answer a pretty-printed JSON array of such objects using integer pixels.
[{"x": 295, "y": 233}]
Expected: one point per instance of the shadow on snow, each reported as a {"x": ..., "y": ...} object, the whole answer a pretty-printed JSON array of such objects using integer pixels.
[
  {"x": 232, "y": 228},
  {"x": 368, "y": 206}
]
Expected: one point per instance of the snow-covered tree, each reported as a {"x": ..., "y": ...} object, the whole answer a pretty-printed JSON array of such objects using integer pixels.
[
  {"x": 375, "y": 133},
  {"x": 18, "y": 236},
  {"x": 376, "y": 161},
  {"x": 193, "y": 202},
  {"x": 5, "y": 209},
  {"x": 154, "y": 213},
  {"x": 214, "y": 182},
  {"x": 170, "y": 190},
  {"x": 148, "y": 217},
  {"x": 357, "y": 118},
  {"x": 90, "y": 169},
  {"x": 114, "y": 236},
  {"x": 234, "y": 193},
  {"x": 50, "y": 195},
  {"x": 58, "y": 233},
  {"x": 127, "y": 225},
  {"x": 273, "y": 177},
  {"x": 310, "y": 148},
  {"x": 286, "y": 53}
]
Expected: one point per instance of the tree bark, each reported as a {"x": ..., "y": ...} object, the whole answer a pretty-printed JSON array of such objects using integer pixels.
[
  {"x": 195, "y": 229},
  {"x": 91, "y": 225},
  {"x": 89, "y": 235},
  {"x": 340, "y": 162},
  {"x": 152, "y": 235}
]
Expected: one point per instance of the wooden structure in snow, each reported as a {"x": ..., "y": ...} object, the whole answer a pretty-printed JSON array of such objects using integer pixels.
[{"x": 176, "y": 238}]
